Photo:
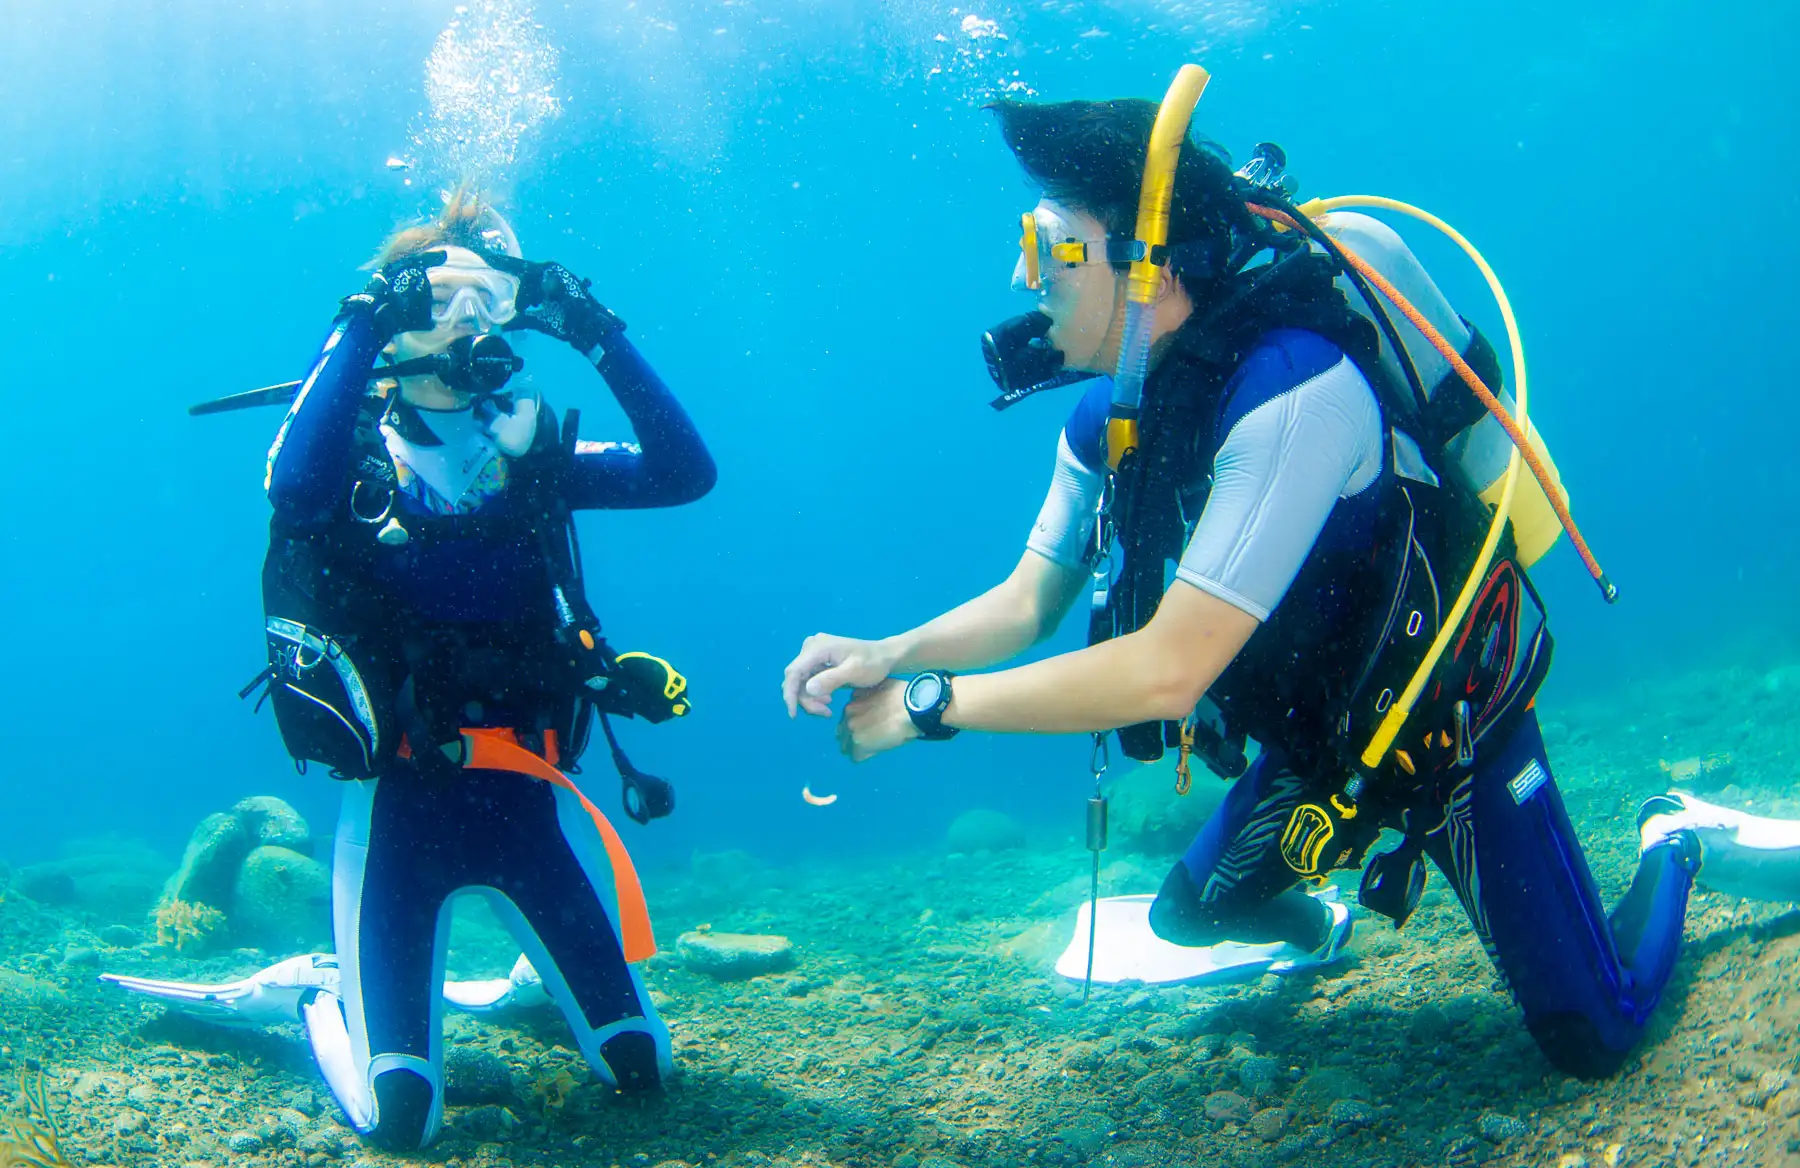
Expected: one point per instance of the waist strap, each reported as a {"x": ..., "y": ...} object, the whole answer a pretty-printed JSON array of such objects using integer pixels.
[{"x": 499, "y": 750}]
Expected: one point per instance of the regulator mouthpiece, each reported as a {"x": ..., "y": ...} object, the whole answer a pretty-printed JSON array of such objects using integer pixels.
[{"x": 1022, "y": 361}]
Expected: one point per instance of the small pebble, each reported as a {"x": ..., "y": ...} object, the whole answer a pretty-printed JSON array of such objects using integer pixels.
[
  {"x": 244, "y": 1142},
  {"x": 1497, "y": 1128},
  {"x": 1350, "y": 1113},
  {"x": 1227, "y": 1107},
  {"x": 1269, "y": 1124}
]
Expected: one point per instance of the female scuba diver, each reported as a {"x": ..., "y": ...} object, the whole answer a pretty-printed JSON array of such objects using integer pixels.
[{"x": 429, "y": 641}]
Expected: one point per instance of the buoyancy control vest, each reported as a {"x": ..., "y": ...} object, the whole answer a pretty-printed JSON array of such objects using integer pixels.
[
  {"x": 358, "y": 673},
  {"x": 1313, "y": 680}
]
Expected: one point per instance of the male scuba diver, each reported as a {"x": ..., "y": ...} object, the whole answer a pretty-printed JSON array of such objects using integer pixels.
[
  {"x": 1277, "y": 495},
  {"x": 430, "y": 643}
]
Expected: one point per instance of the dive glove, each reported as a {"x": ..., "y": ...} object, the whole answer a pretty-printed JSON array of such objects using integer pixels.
[
  {"x": 646, "y": 687},
  {"x": 555, "y": 301},
  {"x": 398, "y": 297}
]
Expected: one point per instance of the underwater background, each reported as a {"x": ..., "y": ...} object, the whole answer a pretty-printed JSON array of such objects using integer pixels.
[{"x": 807, "y": 219}]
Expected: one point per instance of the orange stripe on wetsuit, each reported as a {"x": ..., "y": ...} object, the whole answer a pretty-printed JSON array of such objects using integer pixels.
[{"x": 499, "y": 750}]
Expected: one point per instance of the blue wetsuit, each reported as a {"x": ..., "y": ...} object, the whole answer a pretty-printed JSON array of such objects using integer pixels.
[
  {"x": 408, "y": 841},
  {"x": 1304, "y": 457}
]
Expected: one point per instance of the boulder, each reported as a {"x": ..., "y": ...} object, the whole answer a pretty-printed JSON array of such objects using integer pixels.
[
  {"x": 1145, "y": 815},
  {"x": 209, "y": 865},
  {"x": 112, "y": 877},
  {"x": 282, "y": 900},
  {"x": 273, "y": 822},
  {"x": 980, "y": 830},
  {"x": 734, "y": 956}
]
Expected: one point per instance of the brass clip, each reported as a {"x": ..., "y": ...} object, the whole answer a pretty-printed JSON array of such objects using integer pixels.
[{"x": 1184, "y": 775}]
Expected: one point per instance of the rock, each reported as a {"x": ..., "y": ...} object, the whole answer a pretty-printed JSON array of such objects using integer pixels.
[
  {"x": 243, "y": 1143},
  {"x": 46, "y": 885},
  {"x": 91, "y": 1083},
  {"x": 272, "y": 822},
  {"x": 282, "y": 900},
  {"x": 1227, "y": 1107},
  {"x": 1086, "y": 1136},
  {"x": 1318, "y": 1091},
  {"x": 1145, "y": 815},
  {"x": 980, "y": 830},
  {"x": 322, "y": 1141},
  {"x": 733, "y": 956},
  {"x": 1769, "y": 1084},
  {"x": 1429, "y": 1026},
  {"x": 1496, "y": 1128},
  {"x": 1261, "y": 1077},
  {"x": 119, "y": 936},
  {"x": 1269, "y": 1124},
  {"x": 474, "y": 1075},
  {"x": 29, "y": 994},
  {"x": 1350, "y": 1113},
  {"x": 209, "y": 866},
  {"x": 489, "y": 1123}
]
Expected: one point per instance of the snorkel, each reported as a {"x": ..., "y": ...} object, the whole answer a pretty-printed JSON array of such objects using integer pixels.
[{"x": 1150, "y": 255}]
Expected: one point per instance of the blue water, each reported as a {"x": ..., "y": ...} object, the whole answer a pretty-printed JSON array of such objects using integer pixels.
[{"x": 807, "y": 220}]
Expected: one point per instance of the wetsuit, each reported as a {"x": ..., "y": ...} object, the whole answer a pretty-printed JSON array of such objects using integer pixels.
[
  {"x": 1303, "y": 458},
  {"x": 413, "y": 836}
]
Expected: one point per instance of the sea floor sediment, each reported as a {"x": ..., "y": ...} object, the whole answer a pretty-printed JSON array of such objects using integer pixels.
[{"x": 922, "y": 1026}]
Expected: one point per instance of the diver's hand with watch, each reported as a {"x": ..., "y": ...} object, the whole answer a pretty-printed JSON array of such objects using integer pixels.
[{"x": 894, "y": 713}]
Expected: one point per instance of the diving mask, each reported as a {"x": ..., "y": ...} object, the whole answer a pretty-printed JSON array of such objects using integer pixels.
[
  {"x": 468, "y": 296},
  {"x": 1047, "y": 242}
]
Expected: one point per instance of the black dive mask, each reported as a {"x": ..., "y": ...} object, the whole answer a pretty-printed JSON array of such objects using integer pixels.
[
  {"x": 1022, "y": 361},
  {"x": 478, "y": 365}
]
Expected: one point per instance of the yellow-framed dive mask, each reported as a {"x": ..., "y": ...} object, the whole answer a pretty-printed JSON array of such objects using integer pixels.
[{"x": 1047, "y": 242}]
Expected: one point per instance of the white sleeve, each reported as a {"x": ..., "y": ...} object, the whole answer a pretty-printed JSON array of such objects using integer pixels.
[
  {"x": 1064, "y": 532},
  {"x": 1278, "y": 474}
]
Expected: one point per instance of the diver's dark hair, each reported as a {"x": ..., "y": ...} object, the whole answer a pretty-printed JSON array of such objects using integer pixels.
[{"x": 1090, "y": 156}]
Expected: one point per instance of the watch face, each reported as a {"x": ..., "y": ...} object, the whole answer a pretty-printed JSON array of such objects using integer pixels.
[{"x": 923, "y": 691}]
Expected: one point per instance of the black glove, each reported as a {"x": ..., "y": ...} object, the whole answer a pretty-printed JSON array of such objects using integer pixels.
[
  {"x": 398, "y": 297},
  {"x": 642, "y": 686},
  {"x": 553, "y": 300}
]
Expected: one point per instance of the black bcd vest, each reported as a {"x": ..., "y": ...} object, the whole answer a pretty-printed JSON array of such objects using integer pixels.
[
  {"x": 354, "y": 669},
  {"x": 1315, "y": 678}
]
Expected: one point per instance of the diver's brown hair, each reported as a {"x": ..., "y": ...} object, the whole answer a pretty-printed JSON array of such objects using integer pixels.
[{"x": 458, "y": 225}]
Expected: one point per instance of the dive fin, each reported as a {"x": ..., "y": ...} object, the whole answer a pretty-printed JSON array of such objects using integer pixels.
[
  {"x": 1126, "y": 950},
  {"x": 269, "y": 395}
]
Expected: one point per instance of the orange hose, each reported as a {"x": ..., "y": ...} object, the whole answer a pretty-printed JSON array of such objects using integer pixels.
[{"x": 1473, "y": 381}]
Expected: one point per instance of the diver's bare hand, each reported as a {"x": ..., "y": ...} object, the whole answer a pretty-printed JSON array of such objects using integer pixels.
[
  {"x": 876, "y": 721},
  {"x": 829, "y": 663}
]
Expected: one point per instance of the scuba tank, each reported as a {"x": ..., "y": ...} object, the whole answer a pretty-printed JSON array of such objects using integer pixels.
[{"x": 1470, "y": 440}]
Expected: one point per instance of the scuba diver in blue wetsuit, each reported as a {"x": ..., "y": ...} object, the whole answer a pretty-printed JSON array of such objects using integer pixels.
[
  {"x": 1305, "y": 525},
  {"x": 430, "y": 643}
]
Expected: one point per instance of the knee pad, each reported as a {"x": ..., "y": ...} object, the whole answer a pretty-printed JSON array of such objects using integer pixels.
[
  {"x": 631, "y": 1057},
  {"x": 404, "y": 1105},
  {"x": 1573, "y": 1045}
]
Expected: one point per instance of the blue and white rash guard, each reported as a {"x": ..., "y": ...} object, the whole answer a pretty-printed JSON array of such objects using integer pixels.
[{"x": 1300, "y": 450}]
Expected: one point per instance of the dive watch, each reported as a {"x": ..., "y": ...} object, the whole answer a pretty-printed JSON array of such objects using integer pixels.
[{"x": 927, "y": 697}]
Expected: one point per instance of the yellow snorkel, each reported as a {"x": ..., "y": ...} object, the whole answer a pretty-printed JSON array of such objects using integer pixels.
[{"x": 1150, "y": 253}]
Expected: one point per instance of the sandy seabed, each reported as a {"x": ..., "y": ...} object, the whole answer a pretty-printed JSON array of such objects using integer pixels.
[{"x": 922, "y": 1026}]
